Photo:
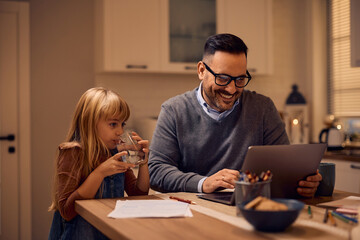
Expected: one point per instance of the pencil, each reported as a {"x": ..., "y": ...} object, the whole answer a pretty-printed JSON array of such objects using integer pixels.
[
  {"x": 309, "y": 212},
  {"x": 344, "y": 218},
  {"x": 182, "y": 200},
  {"x": 353, "y": 219},
  {"x": 332, "y": 219},
  {"x": 326, "y": 216}
]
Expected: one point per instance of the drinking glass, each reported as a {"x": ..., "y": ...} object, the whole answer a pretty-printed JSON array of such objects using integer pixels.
[{"x": 134, "y": 153}]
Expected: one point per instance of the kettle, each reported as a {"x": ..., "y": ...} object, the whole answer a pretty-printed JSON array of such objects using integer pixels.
[{"x": 333, "y": 137}]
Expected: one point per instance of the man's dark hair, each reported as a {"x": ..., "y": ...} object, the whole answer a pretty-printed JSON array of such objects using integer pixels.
[{"x": 224, "y": 42}]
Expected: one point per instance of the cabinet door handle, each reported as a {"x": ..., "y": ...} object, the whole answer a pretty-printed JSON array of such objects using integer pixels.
[
  {"x": 137, "y": 66},
  {"x": 354, "y": 166},
  {"x": 190, "y": 68}
]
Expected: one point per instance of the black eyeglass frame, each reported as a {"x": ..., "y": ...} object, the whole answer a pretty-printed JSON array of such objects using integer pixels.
[{"x": 248, "y": 76}]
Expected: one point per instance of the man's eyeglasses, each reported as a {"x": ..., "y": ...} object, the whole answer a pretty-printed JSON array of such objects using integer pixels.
[{"x": 224, "y": 79}]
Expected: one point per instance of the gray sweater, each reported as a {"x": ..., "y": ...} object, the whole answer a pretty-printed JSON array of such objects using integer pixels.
[{"x": 188, "y": 145}]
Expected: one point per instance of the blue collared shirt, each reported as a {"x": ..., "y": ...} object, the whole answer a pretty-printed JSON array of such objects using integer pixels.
[{"x": 214, "y": 114}]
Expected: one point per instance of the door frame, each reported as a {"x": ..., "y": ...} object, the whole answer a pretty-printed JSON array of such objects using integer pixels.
[
  {"x": 22, "y": 10},
  {"x": 24, "y": 121}
]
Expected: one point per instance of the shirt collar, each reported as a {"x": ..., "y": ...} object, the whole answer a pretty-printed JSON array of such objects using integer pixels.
[{"x": 214, "y": 114}]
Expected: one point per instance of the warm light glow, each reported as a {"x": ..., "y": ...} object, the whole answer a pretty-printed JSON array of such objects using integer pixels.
[
  {"x": 295, "y": 121},
  {"x": 338, "y": 126}
]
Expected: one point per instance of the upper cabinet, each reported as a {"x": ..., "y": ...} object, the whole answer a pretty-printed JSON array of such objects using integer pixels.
[
  {"x": 169, "y": 35},
  {"x": 185, "y": 27},
  {"x": 127, "y": 35},
  {"x": 251, "y": 20}
]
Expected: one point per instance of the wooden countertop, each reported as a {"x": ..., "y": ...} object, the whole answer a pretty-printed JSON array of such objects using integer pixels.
[
  {"x": 200, "y": 226},
  {"x": 352, "y": 155},
  {"x": 210, "y": 221}
]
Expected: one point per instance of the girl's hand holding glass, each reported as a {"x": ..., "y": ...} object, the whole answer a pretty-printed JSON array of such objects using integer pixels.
[
  {"x": 136, "y": 149},
  {"x": 114, "y": 165}
]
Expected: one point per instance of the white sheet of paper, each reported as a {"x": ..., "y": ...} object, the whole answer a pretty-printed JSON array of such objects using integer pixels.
[
  {"x": 150, "y": 208},
  {"x": 348, "y": 202}
]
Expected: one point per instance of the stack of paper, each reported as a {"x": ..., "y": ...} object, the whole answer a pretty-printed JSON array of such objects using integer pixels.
[
  {"x": 150, "y": 208},
  {"x": 351, "y": 202}
]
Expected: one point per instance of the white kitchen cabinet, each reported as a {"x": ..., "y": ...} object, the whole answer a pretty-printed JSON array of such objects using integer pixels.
[
  {"x": 169, "y": 35},
  {"x": 347, "y": 175},
  {"x": 185, "y": 27},
  {"x": 127, "y": 35},
  {"x": 251, "y": 20}
]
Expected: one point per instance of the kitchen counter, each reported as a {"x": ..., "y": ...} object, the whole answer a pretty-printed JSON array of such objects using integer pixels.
[{"x": 347, "y": 154}]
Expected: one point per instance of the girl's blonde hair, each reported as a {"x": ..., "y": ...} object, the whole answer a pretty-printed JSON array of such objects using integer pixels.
[{"x": 95, "y": 104}]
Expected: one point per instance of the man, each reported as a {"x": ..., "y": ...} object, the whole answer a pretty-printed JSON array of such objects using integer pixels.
[{"x": 202, "y": 136}]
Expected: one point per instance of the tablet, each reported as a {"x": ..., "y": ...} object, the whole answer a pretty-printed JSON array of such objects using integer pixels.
[{"x": 288, "y": 163}]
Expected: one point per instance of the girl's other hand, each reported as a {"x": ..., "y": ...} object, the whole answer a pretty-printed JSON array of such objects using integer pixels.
[
  {"x": 114, "y": 165},
  {"x": 144, "y": 147}
]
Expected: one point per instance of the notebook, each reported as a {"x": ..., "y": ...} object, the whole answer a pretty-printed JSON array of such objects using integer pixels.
[{"x": 288, "y": 163}]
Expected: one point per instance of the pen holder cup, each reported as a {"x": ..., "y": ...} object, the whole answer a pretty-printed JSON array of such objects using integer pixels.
[{"x": 245, "y": 192}]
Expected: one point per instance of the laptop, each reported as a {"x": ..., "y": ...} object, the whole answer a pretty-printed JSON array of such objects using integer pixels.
[
  {"x": 288, "y": 163},
  {"x": 224, "y": 197}
]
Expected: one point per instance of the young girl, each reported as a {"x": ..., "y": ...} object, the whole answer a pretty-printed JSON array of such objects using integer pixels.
[{"x": 88, "y": 165}]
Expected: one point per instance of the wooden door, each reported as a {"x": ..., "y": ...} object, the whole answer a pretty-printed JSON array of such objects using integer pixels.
[{"x": 15, "y": 184}]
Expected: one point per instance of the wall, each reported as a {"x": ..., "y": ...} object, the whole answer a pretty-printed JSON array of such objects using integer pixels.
[
  {"x": 146, "y": 92},
  {"x": 289, "y": 37},
  {"x": 61, "y": 70},
  {"x": 317, "y": 62}
]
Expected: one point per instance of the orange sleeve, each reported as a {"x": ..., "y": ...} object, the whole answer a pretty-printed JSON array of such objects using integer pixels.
[
  {"x": 130, "y": 184},
  {"x": 69, "y": 181}
]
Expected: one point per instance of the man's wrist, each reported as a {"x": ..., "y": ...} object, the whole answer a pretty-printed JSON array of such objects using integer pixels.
[{"x": 200, "y": 184}]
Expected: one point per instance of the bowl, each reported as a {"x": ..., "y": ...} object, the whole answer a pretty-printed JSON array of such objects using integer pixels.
[{"x": 273, "y": 221}]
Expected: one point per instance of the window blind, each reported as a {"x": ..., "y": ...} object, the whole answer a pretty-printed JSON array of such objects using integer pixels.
[{"x": 343, "y": 80}]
